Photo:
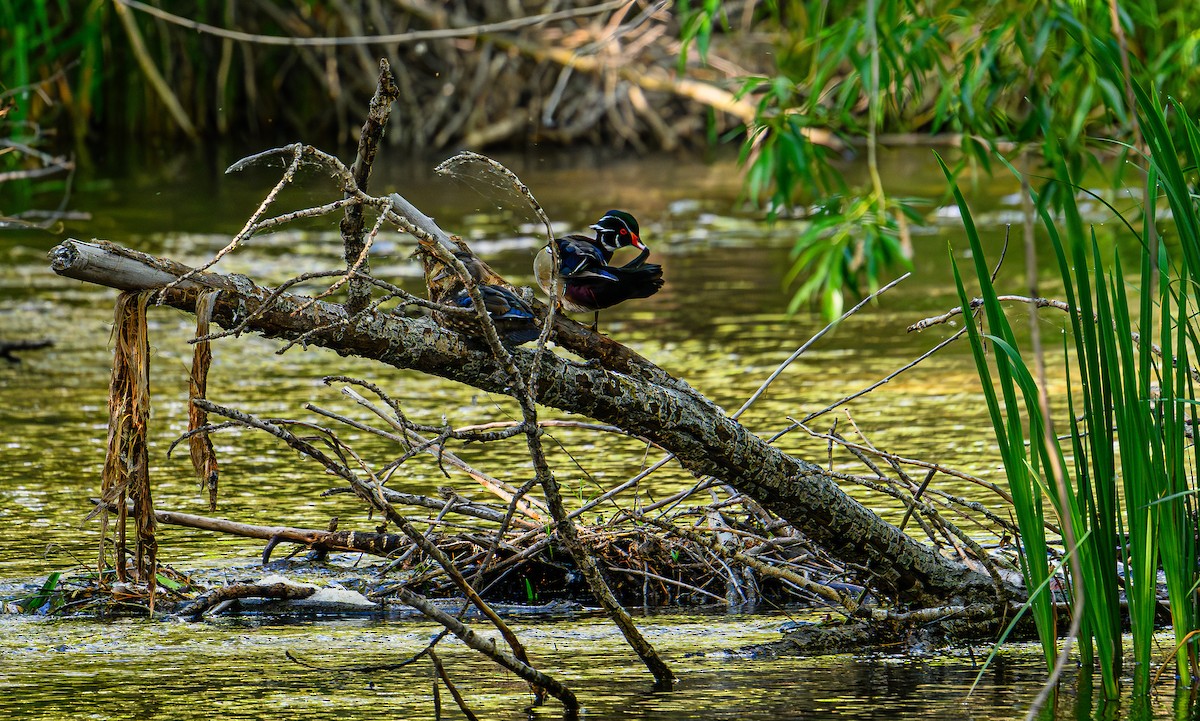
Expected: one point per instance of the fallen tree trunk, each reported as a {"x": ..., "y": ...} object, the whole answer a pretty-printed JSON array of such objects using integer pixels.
[{"x": 705, "y": 440}]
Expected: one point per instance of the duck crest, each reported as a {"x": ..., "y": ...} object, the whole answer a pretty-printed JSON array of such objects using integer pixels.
[{"x": 616, "y": 230}]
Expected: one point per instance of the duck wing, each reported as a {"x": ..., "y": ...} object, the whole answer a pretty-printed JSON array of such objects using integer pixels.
[
  {"x": 514, "y": 318},
  {"x": 579, "y": 255}
]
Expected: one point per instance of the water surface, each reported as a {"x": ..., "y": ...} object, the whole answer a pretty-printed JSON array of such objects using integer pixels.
[{"x": 719, "y": 323}]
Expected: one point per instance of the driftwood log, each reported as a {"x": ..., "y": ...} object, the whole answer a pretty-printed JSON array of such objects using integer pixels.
[{"x": 610, "y": 387}]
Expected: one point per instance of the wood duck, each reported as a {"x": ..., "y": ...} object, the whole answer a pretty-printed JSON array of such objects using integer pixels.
[
  {"x": 587, "y": 281},
  {"x": 514, "y": 318}
]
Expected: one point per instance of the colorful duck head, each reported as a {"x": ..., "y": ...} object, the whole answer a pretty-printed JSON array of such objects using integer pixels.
[{"x": 616, "y": 230}]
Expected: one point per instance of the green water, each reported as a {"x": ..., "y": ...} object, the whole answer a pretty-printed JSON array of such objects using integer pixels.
[
  {"x": 719, "y": 323},
  {"x": 235, "y": 669}
]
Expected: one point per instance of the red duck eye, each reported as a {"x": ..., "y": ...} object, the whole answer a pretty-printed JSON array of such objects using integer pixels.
[{"x": 624, "y": 232}]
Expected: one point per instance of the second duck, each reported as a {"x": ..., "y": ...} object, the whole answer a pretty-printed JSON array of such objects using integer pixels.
[{"x": 514, "y": 319}]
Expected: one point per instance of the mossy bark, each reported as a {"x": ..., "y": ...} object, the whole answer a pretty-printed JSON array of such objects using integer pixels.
[{"x": 705, "y": 440}]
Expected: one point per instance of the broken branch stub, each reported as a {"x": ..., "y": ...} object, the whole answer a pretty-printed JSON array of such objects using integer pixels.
[{"x": 126, "y": 473}]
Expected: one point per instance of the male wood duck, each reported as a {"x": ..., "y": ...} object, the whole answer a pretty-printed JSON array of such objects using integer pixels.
[
  {"x": 587, "y": 281},
  {"x": 514, "y": 318}
]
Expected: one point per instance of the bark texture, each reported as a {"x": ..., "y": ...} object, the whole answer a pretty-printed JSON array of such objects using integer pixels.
[{"x": 705, "y": 440}]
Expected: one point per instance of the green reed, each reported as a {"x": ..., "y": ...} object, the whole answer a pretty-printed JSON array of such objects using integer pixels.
[{"x": 1127, "y": 462}]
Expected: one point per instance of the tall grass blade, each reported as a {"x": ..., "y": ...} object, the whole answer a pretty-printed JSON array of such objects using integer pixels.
[{"x": 1006, "y": 422}]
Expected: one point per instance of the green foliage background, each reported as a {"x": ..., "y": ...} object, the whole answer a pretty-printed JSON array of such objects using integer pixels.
[{"x": 996, "y": 75}]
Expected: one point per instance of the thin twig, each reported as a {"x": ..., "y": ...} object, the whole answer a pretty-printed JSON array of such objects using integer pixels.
[{"x": 977, "y": 303}]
